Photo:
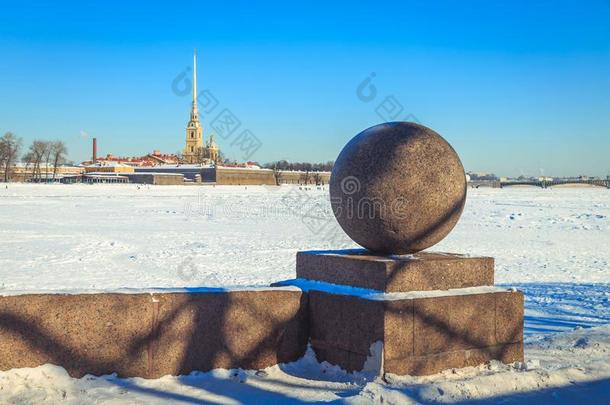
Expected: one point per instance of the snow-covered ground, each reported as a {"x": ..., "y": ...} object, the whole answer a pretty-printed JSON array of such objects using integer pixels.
[
  {"x": 570, "y": 367},
  {"x": 553, "y": 244}
]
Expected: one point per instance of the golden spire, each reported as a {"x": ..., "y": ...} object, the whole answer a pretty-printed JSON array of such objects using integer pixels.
[{"x": 194, "y": 109}]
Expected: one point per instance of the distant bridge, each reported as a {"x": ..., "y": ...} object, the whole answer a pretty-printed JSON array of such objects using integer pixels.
[{"x": 557, "y": 182}]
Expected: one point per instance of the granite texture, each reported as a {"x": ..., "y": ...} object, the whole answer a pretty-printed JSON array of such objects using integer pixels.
[
  {"x": 153, "y": 335},
  {"x": 343, "y": 322},
  {"x": 397, "y": 188},
  {"x": 419, "y": 272},
  {"x": 453, "y": 323},
  {"x": 420, "y": 336},
  {"x": 97, "y": 334},
  {"x": 509, "y": 308},
  {"x": 242, "y": 329},
  {"x": 435, "y": 363}
]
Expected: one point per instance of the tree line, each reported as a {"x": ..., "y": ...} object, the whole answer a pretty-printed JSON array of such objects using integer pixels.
[
  {"x": 47, "y": 154},
  {"x": 312, "y": 170},
  {"x": 203, "y": 155},
  {"x": 300, "y": 166}
]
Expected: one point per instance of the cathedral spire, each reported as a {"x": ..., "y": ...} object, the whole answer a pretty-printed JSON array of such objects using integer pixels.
[
  {"x": 194, "y": 108},
  {"x": 194, "y": 131}
]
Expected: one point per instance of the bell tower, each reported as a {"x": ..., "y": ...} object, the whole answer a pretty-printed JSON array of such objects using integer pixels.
[{"x": 194, "y": 131}]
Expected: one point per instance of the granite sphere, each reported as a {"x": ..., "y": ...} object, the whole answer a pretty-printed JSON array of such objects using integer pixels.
[{"x": 397, "y": 188}]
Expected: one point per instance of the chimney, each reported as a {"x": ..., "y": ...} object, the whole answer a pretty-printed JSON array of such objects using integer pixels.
[{"x": 94, "y": 150}]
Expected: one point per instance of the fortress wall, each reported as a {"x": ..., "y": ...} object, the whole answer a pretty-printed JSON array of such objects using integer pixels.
[
  {"x": 109, "y": 169},
  {"x": 163, "y": 179},
  {"x": 20, "y": 174},
  {"x": 244, "y": 176},
  {"x": 289, "y": 177},
  {"x": 219, "y": 175}
]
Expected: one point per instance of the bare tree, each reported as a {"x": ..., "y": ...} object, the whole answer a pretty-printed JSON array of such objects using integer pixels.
[
  {"x": 58, "y": 152},
  {"x": 37, "y": 152},
  {"x": 221, "y": 157},
  {"x": 306, "y": 179},
  {"x": 277, "y": 175},
  {"x": 47, "y": 158},
  {"x": 9, "y": 149},
  {"x": 3, "y": 156},
  {"x": 28, "y": 159},
  {"x": 201, "y": 155}
]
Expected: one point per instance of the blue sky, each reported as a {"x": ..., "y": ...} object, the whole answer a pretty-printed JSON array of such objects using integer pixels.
[{"x": 515, "y": 87}]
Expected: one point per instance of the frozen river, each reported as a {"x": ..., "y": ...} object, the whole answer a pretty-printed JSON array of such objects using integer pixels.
[{"x": 111, "y": 236}]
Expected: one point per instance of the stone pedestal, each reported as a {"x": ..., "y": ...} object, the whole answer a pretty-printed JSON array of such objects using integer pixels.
[
  {"x": 416, "y": 314},
  {"x": 417, "y": 272}
]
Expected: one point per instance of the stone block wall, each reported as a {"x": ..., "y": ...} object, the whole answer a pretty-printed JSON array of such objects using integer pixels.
[
  {"x": 418, "y": 336},
  {"x": 414, "y": 314},
  {"x": 151, "y": 335}
]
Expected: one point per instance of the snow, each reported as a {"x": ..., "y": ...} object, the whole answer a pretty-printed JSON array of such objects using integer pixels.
[
  {"x": 151, "y": 291},
  {"x": 61, "y": 236},
  {"x": 552, "y": 244},
  {"x": 307, "y": 285}
]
